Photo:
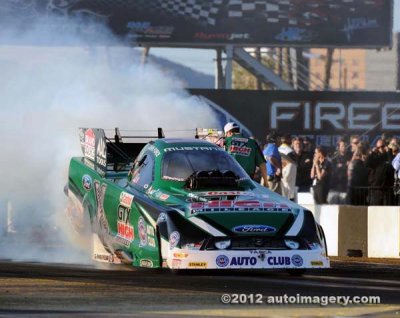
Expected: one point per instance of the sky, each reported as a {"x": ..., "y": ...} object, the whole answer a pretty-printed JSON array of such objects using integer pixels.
[{"x": 203, "y": 60}]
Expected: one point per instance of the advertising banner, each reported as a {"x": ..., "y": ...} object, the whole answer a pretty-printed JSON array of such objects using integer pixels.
[
  {"x": 311, "y": 23},
  {"x": 324, "y": 117}
]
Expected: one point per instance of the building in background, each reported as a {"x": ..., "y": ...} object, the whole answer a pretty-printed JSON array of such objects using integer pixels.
[
  {"x": 382, "y": 67},
  {"x": 356, "y": 69}
]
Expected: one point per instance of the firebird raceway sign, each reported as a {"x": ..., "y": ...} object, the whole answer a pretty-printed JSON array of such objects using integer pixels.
[
  {"x": 322, "y": 116},
  {"x": 347, "y": 23}
]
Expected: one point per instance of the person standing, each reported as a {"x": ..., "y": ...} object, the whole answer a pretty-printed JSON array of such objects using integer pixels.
[
  {"x": 354, "y": 141},
  {"x": 304, "y": 163},
  {"x": 357, "y": 180},
  {"x": 245, "y": 150},
  {"x": 288, "y": 182},
  {"x": 340, "y": 160},
  {"x": 321, "y": 172},
  {"x": 396, "y": 167},
  {"x": 274, "y": 163},
  {"x": 285, "y": 145},
  {"x": 381, "y": 175}
]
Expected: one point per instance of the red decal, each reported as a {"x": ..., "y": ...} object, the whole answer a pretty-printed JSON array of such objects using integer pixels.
[
  {"x": 125, "y": 231},
  {"x": 268, "y": 204},
  {"x": 247, "y": 204},
  {"x": 197, "y": 205},
  {"x": 90, "y": 138},
  {"x": 226, "y": 204},
  {"x": 240, "y": 150},
  {"x": 213, "y": 204}
]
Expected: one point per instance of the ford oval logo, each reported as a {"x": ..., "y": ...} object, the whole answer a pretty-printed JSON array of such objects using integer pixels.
[{"x": 254, "y": 229}]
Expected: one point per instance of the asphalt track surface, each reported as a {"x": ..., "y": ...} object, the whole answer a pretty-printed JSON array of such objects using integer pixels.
[{"x": 58, "y": 290}]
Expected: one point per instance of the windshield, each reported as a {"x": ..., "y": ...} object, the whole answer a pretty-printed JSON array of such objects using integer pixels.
[{"x": 179, "y": 165}]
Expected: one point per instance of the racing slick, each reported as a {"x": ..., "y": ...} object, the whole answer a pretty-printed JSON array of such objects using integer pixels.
[{"x": 245, "y": 150}]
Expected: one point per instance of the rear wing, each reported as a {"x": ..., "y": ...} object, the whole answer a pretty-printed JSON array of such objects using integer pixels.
[{"x": 113, "y": 152}]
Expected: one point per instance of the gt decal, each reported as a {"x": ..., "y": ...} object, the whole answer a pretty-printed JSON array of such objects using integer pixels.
[
  {"x": 123, "y": 214},
  {"x": 125, "y": 231}
]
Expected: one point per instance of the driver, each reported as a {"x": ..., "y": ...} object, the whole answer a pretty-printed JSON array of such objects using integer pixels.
[{"x": 245, "y": 150}]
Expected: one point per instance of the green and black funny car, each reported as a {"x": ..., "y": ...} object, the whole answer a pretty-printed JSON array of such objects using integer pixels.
[{"x": 184, "y": 204}]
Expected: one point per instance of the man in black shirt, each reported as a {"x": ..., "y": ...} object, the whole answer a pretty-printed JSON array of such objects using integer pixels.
[
  {"x": 381, "y": 175},
  {"x": 340, "y": 161},
  {"x": 357, "y": 180},
  {"x": 304, "y": 163}
]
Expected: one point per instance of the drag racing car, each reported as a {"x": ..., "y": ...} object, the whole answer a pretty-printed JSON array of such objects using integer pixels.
[{"x": 184, "y": 204}]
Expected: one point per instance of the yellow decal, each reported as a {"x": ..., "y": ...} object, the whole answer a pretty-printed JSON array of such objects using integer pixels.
[
  {"x": 180, "y": 255},
  {"x": 198, "y": 264},
  {"x": 317, "y": 263}
]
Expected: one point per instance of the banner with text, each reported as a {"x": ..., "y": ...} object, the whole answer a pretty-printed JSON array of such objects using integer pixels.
[
  {"x": 322, "y": 116},
  {"x": 311, "y": 23}
]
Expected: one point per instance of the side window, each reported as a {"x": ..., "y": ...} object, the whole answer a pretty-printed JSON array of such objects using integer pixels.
[{"x": 143, "y": 174}]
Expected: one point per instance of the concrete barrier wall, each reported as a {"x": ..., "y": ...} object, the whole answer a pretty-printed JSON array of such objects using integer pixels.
[
  {"x": 353, "y": 230},
  {"x": 383, "y": 231},
  {"x": 373, "y": 231}
]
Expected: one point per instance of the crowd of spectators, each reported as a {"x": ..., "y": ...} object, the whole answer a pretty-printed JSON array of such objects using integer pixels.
[{"x": 355, "y": 173}]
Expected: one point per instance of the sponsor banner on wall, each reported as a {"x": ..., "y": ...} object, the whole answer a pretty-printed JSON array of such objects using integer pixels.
[
  {"x": 347, "y": 23},
  {"x": 324, "y": 117}
]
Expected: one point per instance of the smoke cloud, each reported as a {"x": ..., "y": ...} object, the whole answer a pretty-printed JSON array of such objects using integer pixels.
[{"x": 46, "y": 93}]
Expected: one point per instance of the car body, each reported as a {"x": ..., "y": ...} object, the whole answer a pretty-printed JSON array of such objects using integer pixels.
[{"x": 184, "y": 204}]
